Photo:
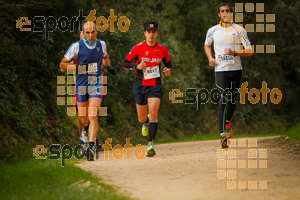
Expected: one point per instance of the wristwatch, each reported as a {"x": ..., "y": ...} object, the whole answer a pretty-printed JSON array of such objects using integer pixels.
[{"x": 235, "y": 53}]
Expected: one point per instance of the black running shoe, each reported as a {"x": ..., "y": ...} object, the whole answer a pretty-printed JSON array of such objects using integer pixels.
[{"x": 90, "y": 153}]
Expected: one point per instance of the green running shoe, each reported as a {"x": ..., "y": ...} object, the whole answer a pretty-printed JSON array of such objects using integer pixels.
[
  {"x": 145, "y": 128},
  {"x": 150, "y": 151}
]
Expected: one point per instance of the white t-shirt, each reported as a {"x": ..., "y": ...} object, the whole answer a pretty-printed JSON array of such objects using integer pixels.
[
  {"x": 235, "y": 38},
  {"x": 73, "y": 50}
]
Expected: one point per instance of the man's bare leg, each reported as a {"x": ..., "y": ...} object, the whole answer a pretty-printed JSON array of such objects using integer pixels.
[
  {"x": 142, "y": 112},
  {"x": 94, "y": 105}
]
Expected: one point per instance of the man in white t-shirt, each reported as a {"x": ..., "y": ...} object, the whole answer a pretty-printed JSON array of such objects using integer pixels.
[{"x": 230, "y": 43}]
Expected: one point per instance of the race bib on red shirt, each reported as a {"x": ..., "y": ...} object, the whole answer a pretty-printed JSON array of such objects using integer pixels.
[{"x": 151, "y": 72}]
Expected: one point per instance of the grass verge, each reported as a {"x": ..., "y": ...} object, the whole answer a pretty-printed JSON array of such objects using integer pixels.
[
  {"x": 47, "y": 179},
  {"x": 294, "y": 133}
]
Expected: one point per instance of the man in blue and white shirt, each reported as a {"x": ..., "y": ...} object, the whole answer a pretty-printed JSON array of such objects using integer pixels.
[{"x": 91, "y": 56}]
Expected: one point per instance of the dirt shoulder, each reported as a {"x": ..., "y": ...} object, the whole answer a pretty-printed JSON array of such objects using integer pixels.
[{"x": 190, "y": 171}]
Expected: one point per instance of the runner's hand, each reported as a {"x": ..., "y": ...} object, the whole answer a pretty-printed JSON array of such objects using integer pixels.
[
  {"x": 111, "y": 70},
  {"x": 212, "y": 62},
  {"x": 167, "y": 71},
  {"x": 142, "y": 65},
  {"x": 228, "y": 51}
]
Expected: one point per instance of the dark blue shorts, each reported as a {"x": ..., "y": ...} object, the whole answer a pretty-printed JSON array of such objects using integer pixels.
[
  {"x": 96, "y": 93},
  {"x": 142, "y": 93},
  {"x": 86, "y": 97}
]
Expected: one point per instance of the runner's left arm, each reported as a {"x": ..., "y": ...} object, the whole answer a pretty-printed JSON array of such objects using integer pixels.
[
  {"x": 106, "y": 60},
  {"x": 247, "y": 51},
  {"x": 107, "y": 63},
  {"x": 168, "y": 65}
]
